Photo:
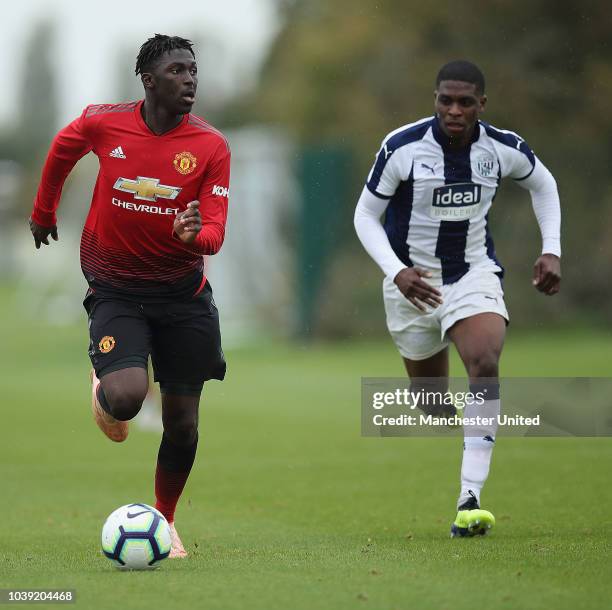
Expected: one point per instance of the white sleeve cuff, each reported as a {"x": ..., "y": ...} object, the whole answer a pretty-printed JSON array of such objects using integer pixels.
[{"x": 551, "y": 245}]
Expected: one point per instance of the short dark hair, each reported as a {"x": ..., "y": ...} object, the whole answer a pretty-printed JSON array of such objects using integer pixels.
[
  {"x": 464, "y": 71},
  {"x": 152, "y": 50}
]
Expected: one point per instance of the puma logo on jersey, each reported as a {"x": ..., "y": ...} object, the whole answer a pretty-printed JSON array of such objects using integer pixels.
[
  {"x": 387, "y": 152},
  {"x": 431, "y": 169}
]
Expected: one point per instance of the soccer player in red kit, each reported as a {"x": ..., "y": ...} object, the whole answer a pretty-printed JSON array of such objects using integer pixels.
[{"x": 159, "y": 205}]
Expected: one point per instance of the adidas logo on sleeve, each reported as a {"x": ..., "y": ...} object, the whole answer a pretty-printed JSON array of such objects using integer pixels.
[{"x": 117, "y": 153}]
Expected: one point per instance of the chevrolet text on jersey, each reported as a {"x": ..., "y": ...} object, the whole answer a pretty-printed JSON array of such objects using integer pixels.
[{"x": 143, "y": 207}]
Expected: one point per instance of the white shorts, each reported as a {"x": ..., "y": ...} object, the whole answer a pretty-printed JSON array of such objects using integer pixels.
[{"x": 419, "y": 335}]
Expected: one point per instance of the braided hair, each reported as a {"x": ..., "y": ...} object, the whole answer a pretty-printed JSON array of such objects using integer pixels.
[{"x": 154, "y": 48}]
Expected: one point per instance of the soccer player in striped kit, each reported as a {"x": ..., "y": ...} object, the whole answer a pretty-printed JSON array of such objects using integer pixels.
[
  {"x": 159, "y": 205},
  {"x": 435, "y": 181}
]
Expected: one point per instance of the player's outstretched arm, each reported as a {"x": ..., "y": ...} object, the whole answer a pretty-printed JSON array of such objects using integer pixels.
[
  {"x": 547, "y": 209},
  {"x": 68, "y": 146}
]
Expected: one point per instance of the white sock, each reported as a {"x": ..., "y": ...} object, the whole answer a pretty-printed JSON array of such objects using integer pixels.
[{"x": 478, "y": 444}]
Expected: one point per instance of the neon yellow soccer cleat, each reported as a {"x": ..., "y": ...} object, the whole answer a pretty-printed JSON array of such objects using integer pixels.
[{"x": 471, "y": 520}]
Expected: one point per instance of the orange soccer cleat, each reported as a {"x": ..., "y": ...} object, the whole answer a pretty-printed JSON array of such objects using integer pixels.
[{"x": 178, "y": 550}]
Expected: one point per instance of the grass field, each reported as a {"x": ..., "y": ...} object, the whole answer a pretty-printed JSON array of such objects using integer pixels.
[{"x": 287, "y": 506}]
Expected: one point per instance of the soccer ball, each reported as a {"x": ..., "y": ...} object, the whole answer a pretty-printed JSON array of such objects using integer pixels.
[{"x": 136, "y": 537}]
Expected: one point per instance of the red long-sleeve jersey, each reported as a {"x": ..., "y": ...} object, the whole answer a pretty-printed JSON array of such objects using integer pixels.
[{"x": 128, "y": 247}]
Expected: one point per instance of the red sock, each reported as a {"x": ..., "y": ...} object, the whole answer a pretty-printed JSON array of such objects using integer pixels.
[{"x": 168, "y": 489}]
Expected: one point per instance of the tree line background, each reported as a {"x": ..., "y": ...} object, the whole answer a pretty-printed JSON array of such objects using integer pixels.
[{"x": 340, "y": 75}]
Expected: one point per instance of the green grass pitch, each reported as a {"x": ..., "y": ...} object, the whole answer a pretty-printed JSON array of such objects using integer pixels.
[{"x": 287, "y": 506}]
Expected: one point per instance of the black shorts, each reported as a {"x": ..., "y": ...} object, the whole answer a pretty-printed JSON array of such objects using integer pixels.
[{"x": 182, "y": 337}]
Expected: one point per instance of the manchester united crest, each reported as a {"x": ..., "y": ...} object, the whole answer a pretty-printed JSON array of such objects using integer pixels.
[
  {"x": 185, "y": 163},
  {"x": 106, "y": 344}
]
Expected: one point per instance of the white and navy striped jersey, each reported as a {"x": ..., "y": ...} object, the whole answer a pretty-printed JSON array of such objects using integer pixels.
[{"x": 440, "y": 196}]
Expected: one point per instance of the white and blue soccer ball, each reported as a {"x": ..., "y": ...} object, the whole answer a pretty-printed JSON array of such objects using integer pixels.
[{"x": 136, "y": 537}]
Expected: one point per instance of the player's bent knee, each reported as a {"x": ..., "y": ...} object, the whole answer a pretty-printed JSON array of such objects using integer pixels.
[
  {"x": 126, "y": 407},
  {"x": 125, "y": 390},
  {"x": 125, "y": 404}
]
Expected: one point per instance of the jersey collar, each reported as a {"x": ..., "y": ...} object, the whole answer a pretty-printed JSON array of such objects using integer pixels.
[{"x": 144, "y": 127}]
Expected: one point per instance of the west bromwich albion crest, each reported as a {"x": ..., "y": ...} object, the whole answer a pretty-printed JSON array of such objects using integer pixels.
[{"x": 485, "y": 164}]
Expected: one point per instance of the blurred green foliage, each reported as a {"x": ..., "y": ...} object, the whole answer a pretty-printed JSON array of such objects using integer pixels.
[
  {"x": 348, "y": 73},
  {"x": 341, "y": 75}
]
